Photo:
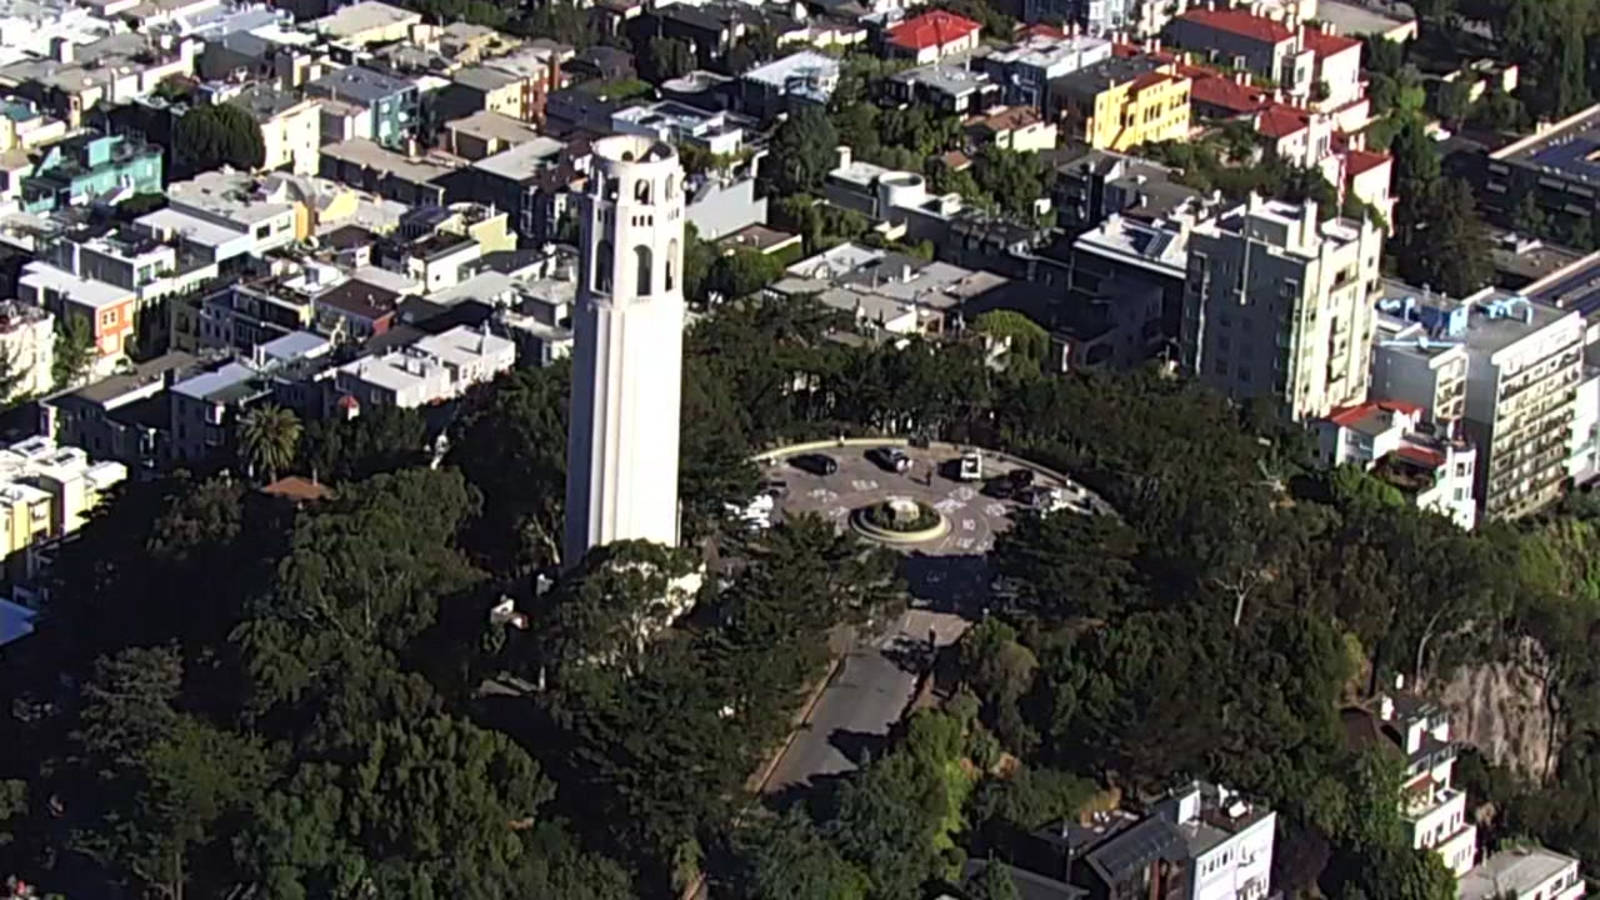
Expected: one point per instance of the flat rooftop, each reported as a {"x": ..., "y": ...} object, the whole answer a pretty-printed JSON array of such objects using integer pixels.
[
  {"x": 363, "y": 152},
  {"x": 487, "y": 124},
  {"x": 1571, "y": 149},
  {"x": 1516, "y": 871},
  {"x": 352, "y": 20},
  {"x": 802, "y": 72},
  {"x": 523, "y": 160},
  {"x": 952, "y": 79},
  {"x": 1360, "y": 20},
  {"x": 1576, "y": 287}
]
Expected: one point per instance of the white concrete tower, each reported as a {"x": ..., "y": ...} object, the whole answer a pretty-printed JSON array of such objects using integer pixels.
[{"x": 627, "y": 359}]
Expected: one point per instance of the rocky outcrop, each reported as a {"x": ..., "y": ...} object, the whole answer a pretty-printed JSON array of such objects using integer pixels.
[{"x": 1506, "y": 710}]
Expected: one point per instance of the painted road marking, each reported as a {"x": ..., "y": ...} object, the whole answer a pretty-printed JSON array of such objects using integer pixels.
[
  {"x": 948, "y": 505},
  {"x": 995, "y": 509},
  {"x": 864, "y": 485},
  {"x": 963, "y": 493},
  {"x": 837, "y": 512},
  {"x": 964, "y": 543},
  {"x": 969, "y": 525}
]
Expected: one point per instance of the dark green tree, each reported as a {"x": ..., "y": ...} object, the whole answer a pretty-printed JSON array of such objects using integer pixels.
[
  {"x": 802, "y": 152},
  {"x": 74, "y": 351},
  {"x": 665, "y": 58},
  {"x": 221, "y": 134},
  {"x": 379, "y": 440}
]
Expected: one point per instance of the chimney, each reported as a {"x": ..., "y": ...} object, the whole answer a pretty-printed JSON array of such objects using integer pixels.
[
  {"x": 1386, "y": 708},
  {"x": 1308, "y": 221},
  {"x": 63, "y": 49},
  {"x": 844, "y": 155}
]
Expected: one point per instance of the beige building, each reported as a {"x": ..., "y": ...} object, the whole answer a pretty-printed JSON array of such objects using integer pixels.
[
  {"x": 368, "y": 22},
  {"x": 46, "y": 493},
  {"x": 291, "y": 128},
  {"x": 1279, "y": 305}
]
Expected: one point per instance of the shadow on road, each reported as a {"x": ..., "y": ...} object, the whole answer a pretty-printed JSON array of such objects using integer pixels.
[
  {"x": 909, "y": 654},
  {"x": 950, "y": 584},
  {"x": 858, "y": 746}
]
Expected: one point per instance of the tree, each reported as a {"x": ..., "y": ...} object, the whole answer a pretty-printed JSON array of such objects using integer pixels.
[
  {"x": 743, "y": 272},
  {"x": 379, "y": 440},
  {"x": 787, "y": 858},
  {"x": 12, "y": 375},
  {"x": 1450, "y": 247},
  {"x": 74, "y": 351},
  {"x": 221, "y": 134},
  {"x": 802, "y": 153},
  {"x": 269, "y": 438},
  {"x": 666, "y": 58},
  {"x": 1027, "y": 343},
  {"x": 1528, "y": 217},
  {"x": 993, "y": 883},
  {"x": 1453, "y": 103}
]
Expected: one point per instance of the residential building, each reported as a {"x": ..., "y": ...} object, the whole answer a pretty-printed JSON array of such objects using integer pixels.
[
  {"x": 114, "y": 68},
  {"x": 391, "y": 108},
  {"x": 1027, "y": 68},
  {"x": 1096, "y": 16},
  {"x": 291, "y": 128},
  {"x": 1279, "y": 306},
  {"x": 123, "y": 417},
  {"x": 242, "y": 316},
  {"x": 1016, "y": 128},
  {"x": 222, "y": 214},
  {"x": 1432, "y": 467},
  {"x": 357, "y": 309},
  {"x": 368, "y": 22},
  {"x": 1200, "y": 842},
  {"x": 1132, "y": 274},
  {"x": 720, "y": 133},
  {"x": 526, "y": 181},
  {"x": 394, "y": 176},
  {"x": 433, "y": 369},
  {"x": 538, "y": 72},
  {"x": 951, "y": 87},
  {"x": 108, "y": 310},
  {"x": 46, "y": 493},
  {"x": 932, "y": 36},
  {"x": 1121, "y": 103},
  {"x": 91, "y": 167},
  {"x": 27, "y": 346},
  {"x": 479, "y": 89},
  {"x": 24, "y": 126},
  {"x": 1524, "y": 368},
  {"x": 804, "y": 77},
  {"x": 1524, "y": 873},
  {"x": 1238, "y": 38},
  {"x": 484, "y": 134},
  {"x": 1098, "y": 183},
  {"x": 892, "y": 293},
  {"x": 204, "y": 407},
  {"x": 1416, "y": 732},
  {"x": 1367, "y": 177},
  {"x": 900, "y": 199}
]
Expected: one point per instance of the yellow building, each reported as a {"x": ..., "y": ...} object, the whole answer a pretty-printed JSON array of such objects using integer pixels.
[
  {"x": 46, "y": 493},
  {"x": 1121, "y": 103},
  {"x": 291, "y": 128}
]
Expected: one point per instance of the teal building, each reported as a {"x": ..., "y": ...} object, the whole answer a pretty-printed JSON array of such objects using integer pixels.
[{"x": 82, "y": 169}]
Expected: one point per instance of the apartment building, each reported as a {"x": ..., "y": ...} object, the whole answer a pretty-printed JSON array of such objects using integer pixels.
[
  {"x": 1200, "y": 842},
  {"x": 1279, "y": 305},
  {"x": 1417, "y": 731},
  {"x": 27, "y": 347},
  {"x": 388, "y": 109},
  {"x": 1269, "y": 48},
  {"x": 435, "y": 368},
  {"x": 46, "y": 493},
  {"x": 1432, "y": 467},
  {"x": 291, "y": 128},
  {"x": 106, "y": 309},
  {"x": 1123, "y": 102},
  {"x": 1027, "y": 68},
  {"x": 1524, "y": 363},
  {"x": 80, "y": 169},
  {"x": 932, "y": 36}
]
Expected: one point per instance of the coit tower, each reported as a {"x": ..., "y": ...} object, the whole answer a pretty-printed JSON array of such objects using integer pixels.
[{"x": 627, "y": 358}]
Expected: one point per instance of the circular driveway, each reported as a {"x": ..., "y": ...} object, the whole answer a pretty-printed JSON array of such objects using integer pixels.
[{"x": 975, "y": 517}]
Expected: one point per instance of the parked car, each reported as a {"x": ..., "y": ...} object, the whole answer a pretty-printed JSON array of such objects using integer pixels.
[
  {"x": 775, "y": 487},
  {"x": 892, "y": 459},
  {"x": 1020, "y": 478},
  {"x": 815, "y": 463},
  {"x": 971, "y": 465}
]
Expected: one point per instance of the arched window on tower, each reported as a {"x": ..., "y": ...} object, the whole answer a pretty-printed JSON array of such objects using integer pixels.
[
  {"x": 602, "y": 266},
  {"x": 672, "y": 262},
  {"x": 641, "y": 191},
  {"x": 642, "y": 261},
  {"x": 672, "y": 186}
]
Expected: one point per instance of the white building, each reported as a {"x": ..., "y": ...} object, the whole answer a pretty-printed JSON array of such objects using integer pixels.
[
  {"x": 1524, "y": 873},
  {"x": 1434, "y": 810},
  {"x": 1517, "y": 392},
  {"x": 627, "y": 373},
  {"x": 433, "y": 369},
  {"x": 1391, "y": 439},
  {"x": 27, "y": 346},
  {"x": 1277, "y": 305},
  {"x": 224, "y": 214},
  {"x": 1229, "y": 840}
]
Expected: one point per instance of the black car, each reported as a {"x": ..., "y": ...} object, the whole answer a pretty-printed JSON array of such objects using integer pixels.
[
  {"x": 890, "y": 459},
  {"x": 815, "y": 463},
  {"x": 1021, "y": 478}
]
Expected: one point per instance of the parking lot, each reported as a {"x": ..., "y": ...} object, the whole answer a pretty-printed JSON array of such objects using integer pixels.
[{"x": 975, "y": 517}]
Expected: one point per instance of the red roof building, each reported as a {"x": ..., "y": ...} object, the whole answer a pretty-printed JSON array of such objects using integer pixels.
[
  {"x": 1359, "y": 161},
  {"x": 1240, "y": 22},
  {"x": 932, "y": 35}
]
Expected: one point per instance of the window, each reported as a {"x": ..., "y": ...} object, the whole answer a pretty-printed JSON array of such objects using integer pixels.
[
  {"x": 642, "y": 261},
  {"x": 672, "y": 191},
  {"x": 641, "y": 191},
  {"x": 672, "y": 250},
  {"x": 109, "y": 317},
  {"x": 602, "y": 267}
]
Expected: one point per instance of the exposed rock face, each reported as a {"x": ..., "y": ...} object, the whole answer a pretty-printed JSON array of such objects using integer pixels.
[{"x": 1505, "y": 710}]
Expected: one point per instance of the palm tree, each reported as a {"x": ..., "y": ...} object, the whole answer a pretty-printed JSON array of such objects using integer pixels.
[{"x": 269, "y": 436}]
